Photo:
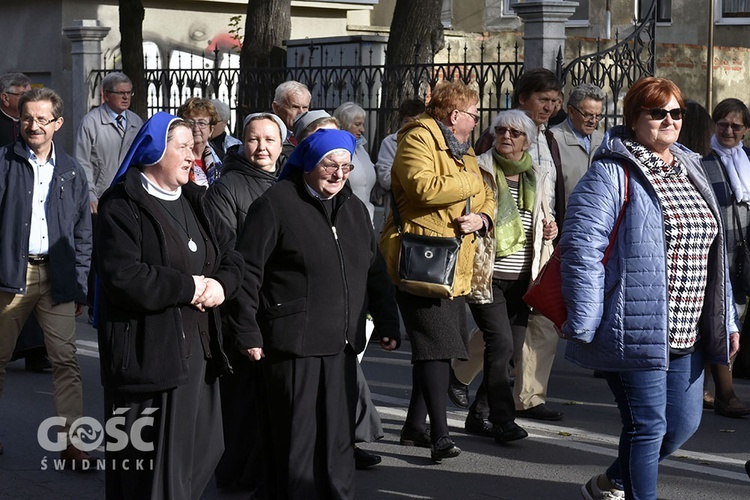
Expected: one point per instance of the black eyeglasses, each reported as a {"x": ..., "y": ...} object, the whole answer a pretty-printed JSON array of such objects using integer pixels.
[
  {"x": 736, "y": 127},
  {"x": 661, "y": 113},
  {"x": 476, "y": 117},
  {"x": 122, "y": 93},
  {"x": 513, "y": 132},
  {"x": 587, "y": 117},
  {"x": 334, "y": 167}
]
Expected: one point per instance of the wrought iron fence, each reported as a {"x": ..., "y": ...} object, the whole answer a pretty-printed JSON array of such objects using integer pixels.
[
  {"x": 333, "y": 84},
  {"x": 616, "y": 68}
]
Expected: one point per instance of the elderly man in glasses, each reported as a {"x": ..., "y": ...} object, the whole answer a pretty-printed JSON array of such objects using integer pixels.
[
  {"x": 105, "y": 135},
  {"x": 102, "y": 141},
  {"x": 578, "y": 137}
]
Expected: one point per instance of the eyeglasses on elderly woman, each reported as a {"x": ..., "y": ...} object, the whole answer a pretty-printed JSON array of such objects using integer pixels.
[
  {"x": 661, "y": 113},
  {"x": 331, "y": 167}
]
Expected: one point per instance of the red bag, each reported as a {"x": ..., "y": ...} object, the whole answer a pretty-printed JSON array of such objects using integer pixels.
[{"x": 545, "y": 292}]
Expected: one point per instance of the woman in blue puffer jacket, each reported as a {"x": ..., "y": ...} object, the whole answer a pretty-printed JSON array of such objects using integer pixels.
[{"x": 662, "y": 305}]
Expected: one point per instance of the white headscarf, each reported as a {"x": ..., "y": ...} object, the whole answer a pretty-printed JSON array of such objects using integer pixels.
[{"x": 737, "y": 166}]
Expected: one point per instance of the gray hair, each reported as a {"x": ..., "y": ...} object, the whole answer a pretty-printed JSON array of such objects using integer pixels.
[
  {"x": 10, "y": 80},
  {"x": 347, "y": 113},
  {"x": 290, "y": 87},
  {"x": 585, "y": 91},
  {"x": 519, "y": 120},
  {"x": 113, "y": 79},
  {"x": 223, "y": 109}
]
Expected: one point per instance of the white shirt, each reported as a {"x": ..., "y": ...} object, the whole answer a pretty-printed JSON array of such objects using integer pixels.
[{"x": 39, "y": 235}]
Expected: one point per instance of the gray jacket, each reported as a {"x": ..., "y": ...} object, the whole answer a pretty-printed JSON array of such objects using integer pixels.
[
  {"x": 575, "y": 161},
  {"x": 100, "y": 147}
]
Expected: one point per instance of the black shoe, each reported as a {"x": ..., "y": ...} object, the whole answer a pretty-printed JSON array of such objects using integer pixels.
[
  {"x": 458, "y": 392},
  {"x": 364, "y": 459},
  {"x": 444, "y": 448},
  {"x": 509, "y": 431},
  {"x": 732, "y": 408},
  {"x": 38, "y": 363},
  {"x": 747, "y": 468},
  {"x": 411, "y": 437},
  {"x": 540, "y": 412},
  {"x": 475, "y": 424}
]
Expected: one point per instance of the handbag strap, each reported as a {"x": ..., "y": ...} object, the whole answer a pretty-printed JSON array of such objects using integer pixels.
[
  {"x": 397, "y": 215},
  {"x": 740, "y": 236},
  {"x": 626, "y": 199}
]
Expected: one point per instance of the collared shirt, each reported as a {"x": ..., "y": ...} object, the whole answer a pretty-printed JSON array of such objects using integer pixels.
[
  {"x": 43, "y": 171},
  {"x": 583, "y": 140},
  {"x": 114, "y": 116}
]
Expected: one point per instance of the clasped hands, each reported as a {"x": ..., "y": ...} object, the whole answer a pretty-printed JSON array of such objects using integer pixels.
[{"x": 208, "y": 293}]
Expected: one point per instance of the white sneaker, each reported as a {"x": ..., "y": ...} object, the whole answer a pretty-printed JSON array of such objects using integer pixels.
[{"x": 591, "y": 491}]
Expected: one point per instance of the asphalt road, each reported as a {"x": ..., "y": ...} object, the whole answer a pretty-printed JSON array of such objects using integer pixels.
[{"x": 551, "y": 463}]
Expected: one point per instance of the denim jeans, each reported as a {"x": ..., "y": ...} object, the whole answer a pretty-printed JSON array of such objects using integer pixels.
[{"x": 659, "y": 411}]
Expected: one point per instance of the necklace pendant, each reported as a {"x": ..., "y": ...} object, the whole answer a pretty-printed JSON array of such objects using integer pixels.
[{"x": 192, "y": 246}]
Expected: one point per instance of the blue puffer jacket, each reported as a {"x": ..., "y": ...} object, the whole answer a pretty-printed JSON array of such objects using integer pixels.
[{"x": 617, "y": 315}]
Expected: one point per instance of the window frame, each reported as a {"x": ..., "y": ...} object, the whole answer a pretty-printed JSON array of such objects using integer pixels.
[{"x": 719, "y": 18}]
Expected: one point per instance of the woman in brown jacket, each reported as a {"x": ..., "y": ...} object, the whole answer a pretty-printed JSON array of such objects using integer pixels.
[{"x": 435, "y": 174}]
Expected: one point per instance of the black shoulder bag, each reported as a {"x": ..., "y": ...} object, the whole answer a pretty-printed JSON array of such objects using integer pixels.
[{"x": 426, "y": 264}]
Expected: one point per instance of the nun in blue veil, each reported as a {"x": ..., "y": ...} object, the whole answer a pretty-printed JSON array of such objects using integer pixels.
[
  {"x": 163, "y": 271},
  {"x": 308, "y": 246}
]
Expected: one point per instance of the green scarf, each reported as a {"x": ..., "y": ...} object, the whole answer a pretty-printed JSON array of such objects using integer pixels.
[{"x": 509, "y": 232}]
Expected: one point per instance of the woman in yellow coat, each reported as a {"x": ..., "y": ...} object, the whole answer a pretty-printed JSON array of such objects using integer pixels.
[{"x": 435, "y": 174}]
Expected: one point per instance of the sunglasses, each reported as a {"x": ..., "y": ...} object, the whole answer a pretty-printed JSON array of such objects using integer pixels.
[
  {"x": 661, "y": 113},
  {"x": 513, "y": 132},
  {"x": 736, "y": 127},
  {"x": 473, "y": 116}
]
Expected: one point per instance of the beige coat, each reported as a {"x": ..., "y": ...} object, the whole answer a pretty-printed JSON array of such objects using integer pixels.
[{"x": 431, "y": 187}]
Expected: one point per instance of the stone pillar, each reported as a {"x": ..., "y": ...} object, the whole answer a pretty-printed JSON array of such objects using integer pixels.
[
  {"x": 543, "y": 30},
  {"x": 86, "y": 37}
]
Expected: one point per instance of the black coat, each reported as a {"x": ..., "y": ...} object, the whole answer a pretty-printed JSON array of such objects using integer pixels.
[
  {"x": 239, "y": 186},
  {"x": 141, "y": 264},
  {"x": 306, "y": 277}
]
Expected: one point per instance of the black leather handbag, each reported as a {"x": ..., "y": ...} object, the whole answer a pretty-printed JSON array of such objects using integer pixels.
[{"x": 426, "y": 264}]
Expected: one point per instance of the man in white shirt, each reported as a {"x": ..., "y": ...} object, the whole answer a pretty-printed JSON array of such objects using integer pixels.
[{"x": 45, "y": 253}]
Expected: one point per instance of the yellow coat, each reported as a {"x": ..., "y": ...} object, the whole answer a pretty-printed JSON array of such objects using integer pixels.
[{"x": 431, "y": 187}]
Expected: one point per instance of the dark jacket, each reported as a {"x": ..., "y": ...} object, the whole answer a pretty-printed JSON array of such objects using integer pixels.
[
  {"x": 306, "y": 279},
  {"x": 141, "y": 263},
  {"x": 68, "y": 224},
  {"x": 240, "y": 184}
]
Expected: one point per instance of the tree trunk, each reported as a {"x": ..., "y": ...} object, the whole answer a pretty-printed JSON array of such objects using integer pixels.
[
  {"x": 268, "y": 24},
  {"x": 416, "y": 36},
  {"x": 131, "y": 48}
]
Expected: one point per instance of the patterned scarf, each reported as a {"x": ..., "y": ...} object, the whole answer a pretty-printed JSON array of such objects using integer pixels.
[
  {"x": 509, "y": 231},
  {"x": 457, "y": 149}
]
